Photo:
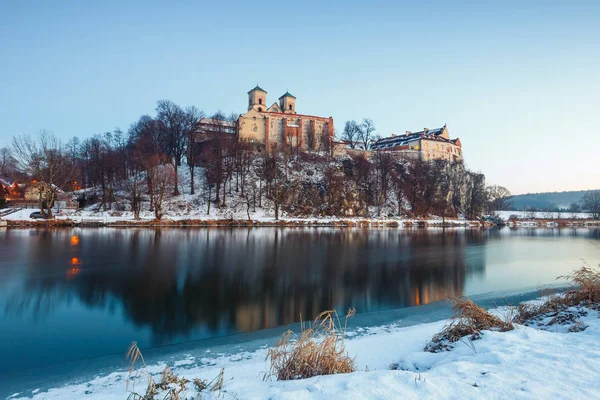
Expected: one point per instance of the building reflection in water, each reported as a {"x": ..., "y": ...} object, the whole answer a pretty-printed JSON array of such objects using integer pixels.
[{"x": 221, "y": 281}]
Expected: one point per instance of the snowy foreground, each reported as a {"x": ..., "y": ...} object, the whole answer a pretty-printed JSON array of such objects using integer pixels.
[{"x": 524, "y": 363}]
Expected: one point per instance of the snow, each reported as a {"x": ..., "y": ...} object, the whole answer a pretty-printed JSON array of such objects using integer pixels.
[
  {"x": 181, "y": 210},
  {"x": 524, "y": 363},
  {"x": 505, "y": 215},
  {"x": 193, "y": 207}
]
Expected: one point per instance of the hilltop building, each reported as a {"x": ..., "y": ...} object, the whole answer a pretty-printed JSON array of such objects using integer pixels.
[
  {"x": 211, "y": 134},
  {"x": 279, "y": 124},
  {"x": 428, "y": 144}
]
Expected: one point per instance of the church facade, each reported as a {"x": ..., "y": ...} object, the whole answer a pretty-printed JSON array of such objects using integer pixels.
[{"x": 281, "y": 126}]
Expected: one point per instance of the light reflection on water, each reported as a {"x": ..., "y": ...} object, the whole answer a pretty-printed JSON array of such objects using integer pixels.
[{"x": 76, "y": 293}]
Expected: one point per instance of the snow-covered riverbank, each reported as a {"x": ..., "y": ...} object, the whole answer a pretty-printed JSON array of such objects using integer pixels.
[
  {"x": 524, "y": 363},
  {"x": 197, "y": 218}
]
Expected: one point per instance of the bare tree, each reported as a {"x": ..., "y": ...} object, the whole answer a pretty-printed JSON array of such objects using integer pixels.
[
  {"x": 133, "y": 184},
  {"x": 384, "y": 163},
  {"x": 365, "y": 133},
  {"x": 591, "y": 203},
  {"x": 574, "y": 209},
  {"x": 144, "y": 138},
  {"x": 163, "y": 181},
  {"x": 499, "y": 196},
  {"x": 476, "y": 198},
  {"x": 44, "y": 160},
  {"x": 174, "y": 128},
  {"x": 192, "y": 117},
  {"x": 421, "y": 184},
  {"x": 273, "y": 176},
  {"x": 351, "y": 133},
  {"x": 8, "y": 164}
]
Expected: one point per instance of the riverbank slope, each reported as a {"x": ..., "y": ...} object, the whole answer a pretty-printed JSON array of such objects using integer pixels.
[{"x": 527, "y": 362}]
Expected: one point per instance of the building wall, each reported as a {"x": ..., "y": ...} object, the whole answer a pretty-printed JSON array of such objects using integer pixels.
[
  {"x": 435, "y": 150},
  {"x": 251, "y": 127},
  {"x": 305, "y": 132}
]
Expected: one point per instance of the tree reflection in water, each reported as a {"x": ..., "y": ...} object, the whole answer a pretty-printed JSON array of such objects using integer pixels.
[{"x": 231, "y": 280}]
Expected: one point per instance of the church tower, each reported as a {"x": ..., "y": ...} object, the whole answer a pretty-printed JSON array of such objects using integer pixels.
[
  {"x": 257, "y": 99},
  {"x": 287, "y": 102}
]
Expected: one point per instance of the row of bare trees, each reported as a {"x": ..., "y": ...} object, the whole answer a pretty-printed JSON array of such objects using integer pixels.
[
  {"x": 141, "y": 166},
  {"x": 142, "y": 162},
  {"x": 379, "y": 186}
]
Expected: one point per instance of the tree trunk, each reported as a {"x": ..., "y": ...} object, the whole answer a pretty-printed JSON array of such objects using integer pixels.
[
  {"x": 276, "y": 198},
  {"x": 176, "y": 191},
  {"x": 192, "y": 191},
  {"x": 208, "y": 202}
]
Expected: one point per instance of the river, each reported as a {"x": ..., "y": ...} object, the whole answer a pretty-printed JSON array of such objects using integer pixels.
[{"x": 72, "y": 294}]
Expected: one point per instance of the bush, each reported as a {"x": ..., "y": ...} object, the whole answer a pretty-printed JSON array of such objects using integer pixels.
[{"x": 319, "y": 350}]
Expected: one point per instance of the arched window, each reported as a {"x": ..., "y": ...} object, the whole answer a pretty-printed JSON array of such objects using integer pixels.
[
  {"x": 290, "y": 106},
  {"x": 259, "y": 108},
  {"x": 259, "y": 101}
]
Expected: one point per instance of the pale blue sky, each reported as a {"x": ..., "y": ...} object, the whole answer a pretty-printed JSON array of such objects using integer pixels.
[{"x": 518, "y": 83}]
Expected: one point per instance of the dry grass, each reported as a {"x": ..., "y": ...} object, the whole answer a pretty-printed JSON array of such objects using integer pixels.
[
  {"x": 585, "y": 286},
  {"x": 171, "y": 386},
  {"x": 468, "y": 320},
  {"x": 319, "y": 350},
  {"x": 584, "y": 290}
]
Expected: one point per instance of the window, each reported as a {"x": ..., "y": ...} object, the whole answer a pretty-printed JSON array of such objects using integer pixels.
[
  {"x": 260, "y": 109},
  {"x": 290, "y": 106},
  {"x": 259, "y": 101}
]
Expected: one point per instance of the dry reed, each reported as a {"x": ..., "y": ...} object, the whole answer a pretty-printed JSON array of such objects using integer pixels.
[
  {"x": 584, "y": 290},
  {"x": 468, "y": 320},
  {"x": 320, "y": 350},
  {"x": 172, "y": 386}
]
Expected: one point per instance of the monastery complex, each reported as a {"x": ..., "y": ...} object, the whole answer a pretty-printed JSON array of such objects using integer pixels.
[{"x": 280, "y": 125}]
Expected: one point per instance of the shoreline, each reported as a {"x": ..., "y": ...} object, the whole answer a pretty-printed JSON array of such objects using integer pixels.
[
  {"x": 290, "y": 223},
  {"x": 49, "y": 377},
  {"x": 254, "y": 223},
  {"x": 390, "y": 354}
]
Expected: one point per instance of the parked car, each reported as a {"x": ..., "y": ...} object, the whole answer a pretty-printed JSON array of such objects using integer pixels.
[{"x": 38, "y": 215}]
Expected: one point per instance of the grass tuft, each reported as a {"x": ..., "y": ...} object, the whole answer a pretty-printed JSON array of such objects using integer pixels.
[
  {"x": 468, "y": 320},
  {"x": 584, "y": 291},
  {"x": 320, "y": 350},
  {"x": 170, "y": 387}
]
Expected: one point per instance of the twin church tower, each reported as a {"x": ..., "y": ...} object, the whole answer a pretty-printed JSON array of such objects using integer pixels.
[
  {"x": 280, "y": 124},
  {"x": 257, "y": 99}
]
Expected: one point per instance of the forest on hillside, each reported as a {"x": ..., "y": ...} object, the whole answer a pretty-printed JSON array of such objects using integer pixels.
[{"x": 552, "y": 201}]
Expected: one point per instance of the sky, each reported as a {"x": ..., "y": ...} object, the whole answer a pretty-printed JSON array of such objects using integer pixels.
[{"x": 517, "y": 81}]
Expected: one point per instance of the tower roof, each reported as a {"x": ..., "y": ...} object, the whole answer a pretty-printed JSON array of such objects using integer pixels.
[
  {"x": 258, "y": 88},
  {"x": 288, "y": 94}
]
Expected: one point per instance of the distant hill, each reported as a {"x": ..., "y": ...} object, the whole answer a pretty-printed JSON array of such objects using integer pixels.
[{"x": 547, "y": 200}]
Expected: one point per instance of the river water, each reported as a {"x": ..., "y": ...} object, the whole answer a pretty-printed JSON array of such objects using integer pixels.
[{"x": 72, "y": 294}]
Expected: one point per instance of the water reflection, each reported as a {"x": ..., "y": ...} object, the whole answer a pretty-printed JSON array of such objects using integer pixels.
[
  {"x": 237, "y": 280},
  {"x": 187, "y": 284}
]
